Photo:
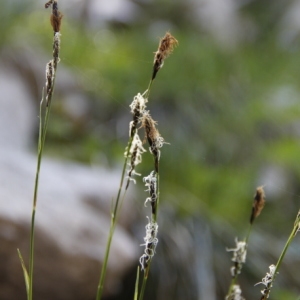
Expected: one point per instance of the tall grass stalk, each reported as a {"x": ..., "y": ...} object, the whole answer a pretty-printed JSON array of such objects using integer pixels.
[
  {"x": 155, "y": 141},
  {"x": 51, "y": 68},
  {"x": 240, "y": 252},
  {"x": 134, "y": 151},
  {"x": 113, "y": 221}
]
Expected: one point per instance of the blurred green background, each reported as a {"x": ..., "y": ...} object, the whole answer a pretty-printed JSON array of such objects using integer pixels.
[{"x": 227, "y": 101}]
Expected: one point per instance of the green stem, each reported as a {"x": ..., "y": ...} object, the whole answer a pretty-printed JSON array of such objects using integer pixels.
[
  {"x": 291, "y": 237},
  {"x": 43, "y": 125},
  {"x": 146, "y": 273},
  {"x": 136, "y": 288},
  {"x": 148, "y": 89},
  {"x": 280, "y": 259},
  {"x": 113, "y": 224}
]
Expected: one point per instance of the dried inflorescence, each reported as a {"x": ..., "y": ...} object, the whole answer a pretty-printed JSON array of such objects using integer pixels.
[
  {"x": 151, "y": 184},
  {"x": 137, "y": 108},
  {"x": 51, "y": 66},
  {"x": 150, "y": 244},
  {"x": 239, "y": 257},
  {"x": 267, "y": 281},
  {"x": 236, "y": 293},
  {"x": 56, "y": 16},
  {"x": 258, "y": 204},
  {"x": 49, "y": 79},
  {"x": 56, "y": 48},
  {"x": 154, "y": 138},
  {"x": 165, "y": 48},
  {"x": 135, "y": 153}
]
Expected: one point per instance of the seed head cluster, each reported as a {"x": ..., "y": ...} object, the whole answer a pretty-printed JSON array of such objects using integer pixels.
[{"x": 142, "y": 118}]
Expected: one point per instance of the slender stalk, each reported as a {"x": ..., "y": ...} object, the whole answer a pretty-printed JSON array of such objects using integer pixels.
[
  {"x": 116, "y": 210},
  {"x": 113, "y": 224},
  {"x": 147, "y": 94},
  {"x": 43, "y": 125},
  {"x": 144, "y": 283},
  {"x": 155, "y": 141},
  {"x": 240, "y": 252},
  {"x": 51, "y": 68},
  {"x": 136, "y": 288},
  {"x": 280, "y": 259},
  {"x": 134, "y": 150}
]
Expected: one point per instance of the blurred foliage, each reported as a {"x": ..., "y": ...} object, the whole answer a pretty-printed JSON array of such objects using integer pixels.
[{"x": 230, "y": 115}]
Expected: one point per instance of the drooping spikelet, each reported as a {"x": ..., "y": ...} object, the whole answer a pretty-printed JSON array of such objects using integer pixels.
[
  {"x": 165, "y": 48},
  {"x": 258, "y": 203}
]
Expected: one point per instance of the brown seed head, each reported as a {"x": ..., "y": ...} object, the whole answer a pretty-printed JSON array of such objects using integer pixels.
[
  {"x": 165, "y": 48},
  {"x": 258, "y": 204},
  {"x": 155, "y": 140},
  {"x": 152, "y": 133},
  {"x": 56, "y": 16}
]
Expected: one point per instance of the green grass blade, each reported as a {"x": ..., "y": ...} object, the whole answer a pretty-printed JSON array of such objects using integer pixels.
[
  {"x": 136, "y": 289},
  {"x": 25, "y": 273}
]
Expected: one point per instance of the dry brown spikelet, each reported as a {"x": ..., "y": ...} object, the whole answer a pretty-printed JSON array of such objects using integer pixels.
[
  {"x": 258, "y": 203},
  {"x": 165, "y": 48},
  {"x": 154, "y": 138},
  {"x": 152, "y": 133},
  {"x": 56, "y": 16}
]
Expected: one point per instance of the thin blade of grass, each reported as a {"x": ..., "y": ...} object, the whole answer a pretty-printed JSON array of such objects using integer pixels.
[
  {"x": 25, "y": 273},
  {"x": 136, "y": 289}
]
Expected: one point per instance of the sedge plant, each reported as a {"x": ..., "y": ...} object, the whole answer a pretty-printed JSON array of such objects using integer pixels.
[
  {"x": 133, "y": 156},
  {"x": 44, "y": 113}
]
